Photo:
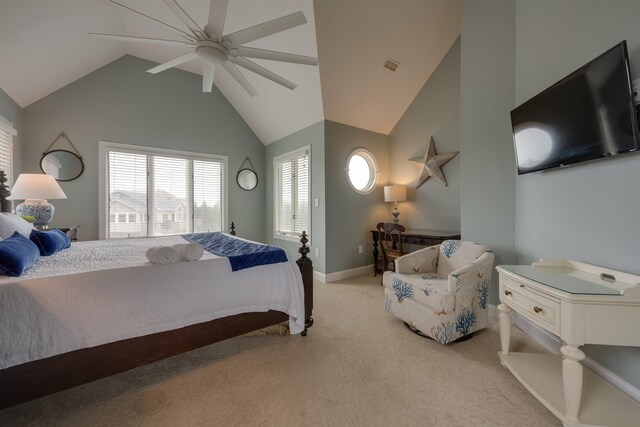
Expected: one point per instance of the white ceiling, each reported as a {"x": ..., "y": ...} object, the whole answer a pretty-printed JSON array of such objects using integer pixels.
[
  {"x": 355, "y": 38},
  {"x": 44, "y": 46}
]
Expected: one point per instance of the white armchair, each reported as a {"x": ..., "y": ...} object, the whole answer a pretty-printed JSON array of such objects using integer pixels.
[{"x": 441, "y": 290}]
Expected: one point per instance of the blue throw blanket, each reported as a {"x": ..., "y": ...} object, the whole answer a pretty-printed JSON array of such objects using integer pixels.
[{"x": 241, "y": 254}]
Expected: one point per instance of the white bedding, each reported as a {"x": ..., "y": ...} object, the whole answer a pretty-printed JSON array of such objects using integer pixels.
[{"x": 104, "y": 291}]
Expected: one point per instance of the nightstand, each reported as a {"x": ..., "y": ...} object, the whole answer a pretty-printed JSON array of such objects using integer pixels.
[{"x": 71, "y": 231}]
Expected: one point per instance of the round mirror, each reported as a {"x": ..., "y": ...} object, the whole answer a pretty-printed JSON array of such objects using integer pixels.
[
  {"x": 247, "y": 179},
  {"x": 63, "y": 165}
]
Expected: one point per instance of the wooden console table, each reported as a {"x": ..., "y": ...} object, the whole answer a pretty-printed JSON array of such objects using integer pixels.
[
  {"x": 412, "y": 237},
  {"x": 582, "y": 304}
]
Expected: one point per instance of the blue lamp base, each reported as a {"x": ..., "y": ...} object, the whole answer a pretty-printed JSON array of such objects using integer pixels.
[{"x": 41, "y": 210}]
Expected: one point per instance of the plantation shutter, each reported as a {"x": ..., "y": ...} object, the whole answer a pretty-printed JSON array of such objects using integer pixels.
[
  {"x": 126, "y": 195},
  {"x": 6, "y": 149},
  {"x": 292, "y": 213},
  {"x": 160, "y": 194}
]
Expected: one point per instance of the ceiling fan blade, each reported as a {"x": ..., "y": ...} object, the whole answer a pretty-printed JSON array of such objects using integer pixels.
[
  {"x": 142, "y": 39},
  {"x": 240, "y": 78},
  {"x": 252, "y": 66},
  {"x": 217, "y": 16},
  {"x": 184, "y": 17},
  {"x": 208, "y": 71},
  {"x": 265, "y": 29},
  {"x": 252, "y": 52},
  {"x": 148, "y": 18},
  {"x": 175, "y": 61}
]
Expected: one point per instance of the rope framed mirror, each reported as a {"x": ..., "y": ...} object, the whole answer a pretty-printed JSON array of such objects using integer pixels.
[{"x": 247, "y": 177}]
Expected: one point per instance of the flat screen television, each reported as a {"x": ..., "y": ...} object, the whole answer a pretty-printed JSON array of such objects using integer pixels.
[{"x": 585, "y": 116}]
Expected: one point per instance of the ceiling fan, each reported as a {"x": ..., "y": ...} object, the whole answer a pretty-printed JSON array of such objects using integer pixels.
[{"x": 215, "y": 49}]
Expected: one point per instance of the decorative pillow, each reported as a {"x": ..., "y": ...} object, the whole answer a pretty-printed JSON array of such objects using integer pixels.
[
  {"x": 9, "y": 223},
  {"x": 50, "y": 242},
  {"x": 17, "y": 255}
]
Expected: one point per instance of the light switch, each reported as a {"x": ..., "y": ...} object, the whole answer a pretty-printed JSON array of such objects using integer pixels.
[{"x": 316, "y": 202}]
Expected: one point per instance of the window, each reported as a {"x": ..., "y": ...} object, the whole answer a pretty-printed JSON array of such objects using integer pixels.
[
  {"x": 157, "y": 192},
  {"x": 292, "y": 194},
  {"x": 362, "y": 171},
  {"x": 6, "y": 149}
]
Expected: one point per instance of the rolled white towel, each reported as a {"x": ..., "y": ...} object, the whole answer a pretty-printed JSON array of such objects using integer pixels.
[
  {"x": 189, "y": 251},
  {"x": 162, "y": 255}
]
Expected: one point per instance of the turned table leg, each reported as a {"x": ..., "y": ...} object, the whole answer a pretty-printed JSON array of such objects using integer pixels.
[
  {"x": 375, "y": 256},
  {"x": 572, "y": 379},
  {"x": 505, "y": 327}
]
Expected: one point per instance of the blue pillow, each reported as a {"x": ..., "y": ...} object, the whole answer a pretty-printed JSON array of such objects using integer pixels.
[
  {"x": 17, "y": 255},
  {"x": 50, "y": 242},
  {"x": 65, "y": 237}
]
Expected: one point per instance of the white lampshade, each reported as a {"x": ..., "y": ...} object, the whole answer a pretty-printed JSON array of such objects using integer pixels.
[
  {"x": 36, "y": 186},
  {"x": 395, "y": 193}
]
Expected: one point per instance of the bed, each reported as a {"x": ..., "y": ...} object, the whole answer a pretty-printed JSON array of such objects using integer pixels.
[{"x": 99, "y": 308}]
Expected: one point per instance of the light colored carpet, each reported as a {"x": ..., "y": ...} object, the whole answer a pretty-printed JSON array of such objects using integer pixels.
[{"x": 357, "y": 366}]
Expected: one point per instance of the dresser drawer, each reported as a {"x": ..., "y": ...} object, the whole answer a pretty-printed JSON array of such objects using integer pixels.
[{"x": 541, "y": 308}]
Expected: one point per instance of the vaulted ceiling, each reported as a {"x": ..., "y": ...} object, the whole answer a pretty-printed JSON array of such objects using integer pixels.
[{"x": 44, "y": 46}]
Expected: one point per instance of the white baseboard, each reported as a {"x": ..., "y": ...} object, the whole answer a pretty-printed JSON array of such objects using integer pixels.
[
  {"x": 340, "y": 275},
  {"x": 320, "y": 277},
  {"x": 552, "y": 343}
]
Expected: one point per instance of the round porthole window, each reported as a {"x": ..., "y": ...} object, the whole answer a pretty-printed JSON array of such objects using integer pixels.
[{"x": 362, "y": 171}]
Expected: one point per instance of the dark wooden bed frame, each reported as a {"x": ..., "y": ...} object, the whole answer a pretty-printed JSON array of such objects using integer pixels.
[{"x": 39, "y": 378}]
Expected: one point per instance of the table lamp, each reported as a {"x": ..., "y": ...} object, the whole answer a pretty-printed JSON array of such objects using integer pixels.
[
  {"x": 35, "y": 189},
  {"x": 395, "y": 194}
]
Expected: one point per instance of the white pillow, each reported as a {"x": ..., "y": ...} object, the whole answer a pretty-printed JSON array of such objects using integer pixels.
[{"x": 10, "y": 223}]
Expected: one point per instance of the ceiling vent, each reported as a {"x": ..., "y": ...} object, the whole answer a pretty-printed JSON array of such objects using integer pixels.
[{"x": 391, "y": 64}]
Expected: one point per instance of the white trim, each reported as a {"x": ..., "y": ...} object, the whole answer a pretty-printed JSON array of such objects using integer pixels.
[
  {"x": 104, "y": 146},
  {"x": 373, "y": 165},
  {"x": 9, "y": 125},
  {"x": 552, "y": 343},
  {"x": 294, "y": 154},
  {"x": 341, "y": 275},
  {"x": 320, "y": 277}
]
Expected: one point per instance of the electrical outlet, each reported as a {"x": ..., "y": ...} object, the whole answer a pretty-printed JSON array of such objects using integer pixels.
[
  {"x": 317, "y": 252},
  {"x": 635, "y": 88},
  {"x": 360, "y": 249}
]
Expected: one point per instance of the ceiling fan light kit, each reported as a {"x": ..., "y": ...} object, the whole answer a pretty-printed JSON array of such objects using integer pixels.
[{"x": 213, "y": 49}]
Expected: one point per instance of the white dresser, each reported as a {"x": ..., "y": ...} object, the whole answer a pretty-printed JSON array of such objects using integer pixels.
[{"x": 582, "y": 304}]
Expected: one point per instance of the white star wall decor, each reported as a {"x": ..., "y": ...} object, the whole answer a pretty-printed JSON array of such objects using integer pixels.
[{"x": 431, "y": 163}]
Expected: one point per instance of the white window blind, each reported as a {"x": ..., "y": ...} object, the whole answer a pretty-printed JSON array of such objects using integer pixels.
[
  {"x": 160, "y": 194},
  {"x": 127, "y": 177},
  {"x": 292, "y": 195},
  {"x": 6, "y": 149}
]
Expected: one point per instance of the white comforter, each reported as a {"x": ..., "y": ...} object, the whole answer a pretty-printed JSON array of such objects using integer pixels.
[{"x": 103, "y": 291}]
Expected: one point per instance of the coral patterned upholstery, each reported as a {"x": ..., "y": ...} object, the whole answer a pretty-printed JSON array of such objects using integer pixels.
[{"x": 441, "y": 290}]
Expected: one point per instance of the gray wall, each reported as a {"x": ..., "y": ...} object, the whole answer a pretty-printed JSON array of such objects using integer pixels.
[
  {"x": 12, "y": 112},
  {"x": 435, "y": 112},
  {"x": 487, "y": 187},
  {"x": 588, "y": 212},
  {"x": 351, "y": 216},
  {"x": 314, "y": 136},
  {"x": 120, "y": 102}
]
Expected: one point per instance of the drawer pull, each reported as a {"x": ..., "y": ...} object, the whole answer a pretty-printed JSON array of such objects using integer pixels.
[
  {"x": 522, "y": 286},
  {"x": 537, "y": 309},
  {"x": 507, "y": 293}
]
